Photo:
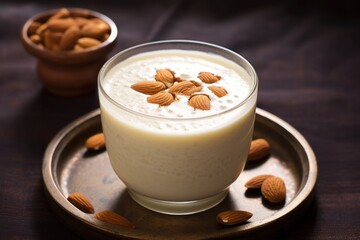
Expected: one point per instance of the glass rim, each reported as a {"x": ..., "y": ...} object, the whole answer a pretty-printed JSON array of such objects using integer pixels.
[{"x": 250, "y": 69}]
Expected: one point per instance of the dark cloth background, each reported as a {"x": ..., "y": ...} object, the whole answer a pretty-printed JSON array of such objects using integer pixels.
[{"x": 307, "y": 57}]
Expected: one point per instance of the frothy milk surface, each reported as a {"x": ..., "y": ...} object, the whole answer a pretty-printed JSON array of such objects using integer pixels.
[
  {"x": 178, "y": 154},
  {"x": 186, "y": 65}
]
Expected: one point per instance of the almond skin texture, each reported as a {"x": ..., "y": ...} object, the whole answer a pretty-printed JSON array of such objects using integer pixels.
[
  {"x": 149, "y": 88},
  {"x": 114, "y": 218},
  {"x": 257, "y": 181},
  {"x": 200, "y": 101},
  {"x": 95, "y": 142},
  {"x": 233, "y": 217},
  {"x": 182, "y": 88},
  {"x": 218, "y": 91},
  {"x": 81, "y": 202},
  {"x": 70, "y": 37},
  {"x": 208, "y": 77},
  {"x": 259, "y": 149},
  {"x": 165, "y": 76},
  {"x": 273, "y": 189},
  {"x": 161, "y": 98}
]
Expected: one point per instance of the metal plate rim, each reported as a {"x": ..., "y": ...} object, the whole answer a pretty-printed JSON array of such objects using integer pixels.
[{"x": 56, "y": 196}]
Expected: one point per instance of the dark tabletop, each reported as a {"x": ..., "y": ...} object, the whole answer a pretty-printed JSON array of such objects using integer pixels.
[{"x": 306, "y": 54}]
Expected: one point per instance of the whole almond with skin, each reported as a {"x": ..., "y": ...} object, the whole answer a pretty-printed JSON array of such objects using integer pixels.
[
  {"x": 233, "y": 217},
  {"x": 94, "y": 30},
  {"x": 181, "y": 87},
  {"x": 165, "y": 76},
  {"x": 196, "y": 88},
  {"x": 114, "y": 218},
  {"x": 200, "y": 101},
  {"x": 273, "y": 189},
  {"x": 218, "y": 91},
  {"x": 60, "y": 24},
  {"x": 41, "y": 29},
  {"x": 70, "y": 37},
  {"x": 259, "y": 149},
  {"x": 87, "y": 42},
  {"x": 52, "y": 40},
  {"x": 161, "y": 98},
  {"x": 81, "y": 202},
  {"x": 95, "y": 142},
  {"x": 257, "y": 181},
  {"x": 208, "y": 77},
  {"x": 148, "y": 87}
]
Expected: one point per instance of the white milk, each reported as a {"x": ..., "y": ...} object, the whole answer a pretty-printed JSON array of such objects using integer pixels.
[{"x": 175, "y": 153}]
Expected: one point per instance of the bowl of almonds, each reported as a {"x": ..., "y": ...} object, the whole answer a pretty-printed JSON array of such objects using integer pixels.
[{"x": 71, "y": 45}]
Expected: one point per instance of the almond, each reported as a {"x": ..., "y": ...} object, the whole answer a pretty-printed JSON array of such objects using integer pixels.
[
  {"x": 77, "y": 47},
  {"x": 257, "y": 181},
  {"x": 94, "y": 30},
  {"x": 60, "y": 24},
  {"x": 87, "y": 42},
  {"x": 259, "y": 149},
  {"x": 105, "y": 37},
  {"x": 149, "y": 88},
  {"x": 200, "y": 101},
  {"x": 52, "y": 40},
  {"x": 81, "y": 202},
  {"x": 218, "y": 91},
  {"x": 41, "y": 29},
  {"x": 33, "y": 27},
  {"x": 182, "y": 88},
  {"x": 165, "y": 76},
  {"x": 114, "y": 218},
  {"x": 35, "y": 38},
  {"x": 95, "y": 142},
  {"x": 208, "y": 77},
  {"x": 161, "y": 98},
  {"x": 81, "y": 21},
  {"x": 70, "y": 37},
  {"x": 233, "y": 217},
  {"x": 273, "y": 189}
]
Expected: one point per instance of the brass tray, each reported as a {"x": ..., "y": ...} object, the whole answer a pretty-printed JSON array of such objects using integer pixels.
[{"x": 69, "y": 167}]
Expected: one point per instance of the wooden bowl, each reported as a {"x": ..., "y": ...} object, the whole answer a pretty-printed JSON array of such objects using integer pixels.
[{"x": 69, "y": 73}]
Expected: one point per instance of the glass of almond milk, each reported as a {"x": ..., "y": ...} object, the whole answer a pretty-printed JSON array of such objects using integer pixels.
[{"x": 178, "y": 119}]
